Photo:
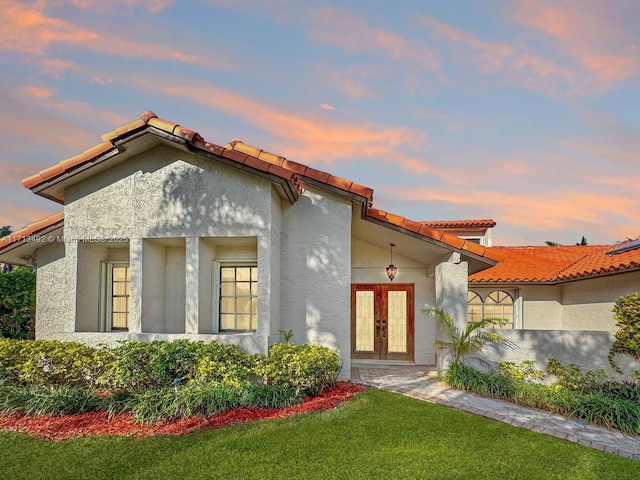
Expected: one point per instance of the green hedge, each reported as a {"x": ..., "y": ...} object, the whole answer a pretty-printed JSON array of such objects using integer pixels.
[{"x": 158, "y": 380}]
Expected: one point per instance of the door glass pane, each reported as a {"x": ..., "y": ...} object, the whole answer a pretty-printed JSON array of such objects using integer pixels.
[
  {"x": 364, "y": 321},
  {"x": 397, "y": 324}
]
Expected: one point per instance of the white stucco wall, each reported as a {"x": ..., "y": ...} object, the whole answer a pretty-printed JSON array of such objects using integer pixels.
[
  {"x": 163, "y": 194},
  {"x": 587, "y": 304},
  {"x": 315, "y": 295},
  {"x": 368, "y": 266},
  {"x": 589, "y": 349}
]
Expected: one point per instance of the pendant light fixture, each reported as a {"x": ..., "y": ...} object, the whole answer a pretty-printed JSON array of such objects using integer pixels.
[{"x": 391, "y": 270}]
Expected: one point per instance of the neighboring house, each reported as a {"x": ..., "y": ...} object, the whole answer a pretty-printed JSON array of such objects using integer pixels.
[{"x": 164, "y": 236}]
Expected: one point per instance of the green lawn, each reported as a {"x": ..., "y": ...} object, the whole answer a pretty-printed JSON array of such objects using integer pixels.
[{"x": 377, "y": 435}]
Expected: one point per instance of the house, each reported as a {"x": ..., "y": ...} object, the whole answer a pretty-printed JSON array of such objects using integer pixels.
[{"x": 165, "y": 235}]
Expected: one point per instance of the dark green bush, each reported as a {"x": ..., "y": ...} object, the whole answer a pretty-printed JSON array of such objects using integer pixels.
[
  {"x": 307, "y": 369},
  {"x": 158, "y": 380},
  {"x": 17, "y": 303},
  {"x": 144, "y": 365}
]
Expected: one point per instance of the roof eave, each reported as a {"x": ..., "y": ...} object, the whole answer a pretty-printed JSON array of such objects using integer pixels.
[{"x": 466, "y": 253}]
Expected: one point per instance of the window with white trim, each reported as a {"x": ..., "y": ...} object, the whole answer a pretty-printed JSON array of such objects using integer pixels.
[
  {"x": 116, "y": 295},
  {"x": 238, "y": 298},
  {"x": 497, "y": 304}
]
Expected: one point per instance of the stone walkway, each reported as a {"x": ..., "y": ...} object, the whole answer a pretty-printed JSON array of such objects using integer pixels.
[{"x": 421, "y": 382}]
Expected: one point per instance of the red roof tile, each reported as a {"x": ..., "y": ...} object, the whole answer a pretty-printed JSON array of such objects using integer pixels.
[
  {"x": 488, "y": 223},
  {"x": 435, "y": 234},
  {"x": 258, "y": 159},
  {"x": 31, "y": 230},
  {"x": 552, "y": 264}
]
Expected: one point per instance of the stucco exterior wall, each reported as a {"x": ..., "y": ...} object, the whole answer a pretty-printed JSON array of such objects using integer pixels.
[
  {"x": 587, "y": 304},
  {"x": 163, "y": 194},
  {"x": 589, "y": 349},
  {"x": 315, "y": 272},
  {"x": 368, "y": 266},
  {"x": 55, "y": 292}
]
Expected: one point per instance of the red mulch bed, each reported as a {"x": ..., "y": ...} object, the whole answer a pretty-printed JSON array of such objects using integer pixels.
[{"x": 51, "y": 427}]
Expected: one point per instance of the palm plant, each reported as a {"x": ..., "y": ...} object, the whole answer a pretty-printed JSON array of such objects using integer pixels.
[{"x": 460, "y": 343}]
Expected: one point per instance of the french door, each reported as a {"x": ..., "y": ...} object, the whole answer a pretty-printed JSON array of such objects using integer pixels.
[{"x": 382, "y": 321}]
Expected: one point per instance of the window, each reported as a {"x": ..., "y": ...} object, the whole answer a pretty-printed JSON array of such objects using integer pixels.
[
  {"x": 116, "y": 294},
  {"x": 238, "y": 298},
  {"x": 497, "y": 304}
]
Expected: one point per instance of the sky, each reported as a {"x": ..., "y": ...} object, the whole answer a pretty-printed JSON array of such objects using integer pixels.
[{"x": 526, "y": 112}]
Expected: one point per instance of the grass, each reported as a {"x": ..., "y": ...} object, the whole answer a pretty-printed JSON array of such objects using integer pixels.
[{"x": 378, "y": 434}]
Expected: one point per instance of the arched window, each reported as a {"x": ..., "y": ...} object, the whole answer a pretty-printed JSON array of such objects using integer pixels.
[
  {"x": 474, "y": 309},
  {"x": 498, "y": 304}
]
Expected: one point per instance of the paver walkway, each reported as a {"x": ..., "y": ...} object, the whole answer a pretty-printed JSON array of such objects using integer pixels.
[{"x": 421, "y": 382}]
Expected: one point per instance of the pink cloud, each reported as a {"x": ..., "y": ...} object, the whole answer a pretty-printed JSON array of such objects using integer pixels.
[
  {"x": 29, "y": 30},
  {"x": 310, "y": 139},
  {"x": 36, "y": 92},
  {"x": 539, "y": 212},
  {"x": 515, "y": 62},
  {"x": 343, "y": 29},
  {"x": 600, "y": 36},
  {"x": 101, "y": 6}
]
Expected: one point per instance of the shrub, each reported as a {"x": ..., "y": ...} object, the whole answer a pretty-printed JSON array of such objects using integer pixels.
[
  {"x": 17, "y": 303},
  {"x": 48, "y": 363},
  {"x": 526, "y": 371},
  {"x": 489, "y": 384},
  {"x": 307, "y": 369},
  {"x": 627, "y": 338},
  {"x": 573, "y": 377},
  {"x": 157, "y": 404},
  {"x": 36, "y": 400},
  {"x": 269, "y": 396},
  {"x": 144, "y": 365}
]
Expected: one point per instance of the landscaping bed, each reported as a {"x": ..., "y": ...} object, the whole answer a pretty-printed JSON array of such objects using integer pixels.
[{"x": 52, "y": 427}]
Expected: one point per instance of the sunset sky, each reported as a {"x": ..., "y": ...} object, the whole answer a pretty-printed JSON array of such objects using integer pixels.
[{"x": 523, "y": 111}]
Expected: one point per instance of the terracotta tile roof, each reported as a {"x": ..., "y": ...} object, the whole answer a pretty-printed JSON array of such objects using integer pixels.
[
  {"x": 25, "y": 234},
  {"x": 254, "y": 158},
  {"x": 434, "y": 233},
  {"x": 555, "y": 264},
  {"x": 149, "y": 119},
  {"x": 302, "y": 170},
  {"x": 460, "y": 223}
]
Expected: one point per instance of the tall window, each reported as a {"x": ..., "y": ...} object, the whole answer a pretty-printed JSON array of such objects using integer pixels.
[
  {"x": 116, "y": 296},
  {"x": 498, "y": 304},
  {"x": 238, "y": 298}
]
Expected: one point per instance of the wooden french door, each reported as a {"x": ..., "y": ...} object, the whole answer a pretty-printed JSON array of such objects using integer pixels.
[{"x": 382, "y": 321}]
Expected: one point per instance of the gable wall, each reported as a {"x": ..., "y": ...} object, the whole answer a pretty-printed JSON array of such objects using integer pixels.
[
  {"x": 315, "y": 271},
  {"x": 172, "y": 195}
]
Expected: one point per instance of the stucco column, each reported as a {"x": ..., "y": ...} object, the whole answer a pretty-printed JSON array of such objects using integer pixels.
[
  {"x": 135, "y": 305},
  {"x": 451, "y": 297},
  {"x": 192, "y": 287}
]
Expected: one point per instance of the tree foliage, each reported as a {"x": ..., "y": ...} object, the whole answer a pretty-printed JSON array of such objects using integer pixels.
[
  {"x": 17, "y": 303},
  {"x": 626, "y": 313}
]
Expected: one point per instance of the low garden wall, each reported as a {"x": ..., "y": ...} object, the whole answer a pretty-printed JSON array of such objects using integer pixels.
[{"x": 589, "y": 349}]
